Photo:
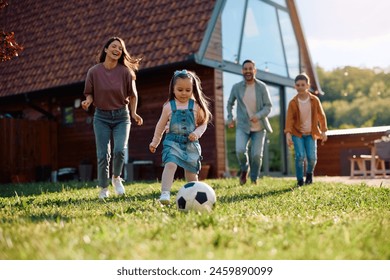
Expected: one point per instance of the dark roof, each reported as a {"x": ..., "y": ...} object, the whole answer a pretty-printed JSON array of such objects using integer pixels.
[{"x": 61, "y": 38}]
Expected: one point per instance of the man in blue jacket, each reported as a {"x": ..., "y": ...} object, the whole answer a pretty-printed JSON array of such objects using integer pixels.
[{"x": 252, "y": 124}]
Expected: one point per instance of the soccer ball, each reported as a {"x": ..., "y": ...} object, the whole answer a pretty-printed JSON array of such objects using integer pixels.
[{"x": 195, "y": 196}]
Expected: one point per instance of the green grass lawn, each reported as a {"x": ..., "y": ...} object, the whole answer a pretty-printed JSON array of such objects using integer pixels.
[{"x": 269, "y": 221}]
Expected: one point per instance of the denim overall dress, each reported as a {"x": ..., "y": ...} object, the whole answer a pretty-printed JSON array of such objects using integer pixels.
[{"x": 176, "y": 146}]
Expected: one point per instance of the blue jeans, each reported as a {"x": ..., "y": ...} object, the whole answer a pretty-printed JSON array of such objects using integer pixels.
[
  {"x": 107, "y": 124},
  {"x": 255, "y": 158},
  {"x": 305, "y": 148}
]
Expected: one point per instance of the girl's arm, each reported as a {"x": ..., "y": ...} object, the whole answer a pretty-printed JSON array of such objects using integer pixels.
[
  {"x": 200, "y": 129},
  {"x": 160, "y": 127},
  {"x": 198, "y": 132}
]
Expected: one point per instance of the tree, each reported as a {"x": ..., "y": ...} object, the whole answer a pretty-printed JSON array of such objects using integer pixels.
[
  {"x": 8, "y": 46},
  {"x": 355, "y": 97}
]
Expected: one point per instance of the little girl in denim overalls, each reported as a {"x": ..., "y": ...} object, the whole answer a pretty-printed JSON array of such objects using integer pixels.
[{"x": 184, "y": 119}]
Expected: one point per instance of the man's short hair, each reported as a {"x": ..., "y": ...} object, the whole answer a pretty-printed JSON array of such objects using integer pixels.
[{"x": 248, "y": 60}]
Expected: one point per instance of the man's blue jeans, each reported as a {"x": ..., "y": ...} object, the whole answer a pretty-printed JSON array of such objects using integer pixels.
[
  {"x": 107, "y": 124},
  {"x": 255, "y": 159},
  {"x": 305, "y": 148}
]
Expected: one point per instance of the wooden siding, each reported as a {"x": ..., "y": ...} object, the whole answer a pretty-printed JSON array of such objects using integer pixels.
[
  {"x": 219, "y": 123},
  {"x": 28, "y": 149},
  {"x": 76, "y": 141},
  {"x": 214, "y": 52},
  {"x": 214, "y": 48}
]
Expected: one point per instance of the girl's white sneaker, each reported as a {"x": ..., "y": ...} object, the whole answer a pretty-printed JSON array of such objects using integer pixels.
[{"x": 165, "y": 197}]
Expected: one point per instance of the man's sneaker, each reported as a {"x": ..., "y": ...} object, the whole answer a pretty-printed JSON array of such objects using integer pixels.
[
  {"x": 165, "y": 197},
  {"x": 117, "y": 183},
  {"x": 300, "y": 183},
  {"x": 243, "y": 176},
  {"x": 104, "y": 193}
]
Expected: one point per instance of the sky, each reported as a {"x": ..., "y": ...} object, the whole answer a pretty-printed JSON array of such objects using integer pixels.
[{"x": 347, "y": 32}]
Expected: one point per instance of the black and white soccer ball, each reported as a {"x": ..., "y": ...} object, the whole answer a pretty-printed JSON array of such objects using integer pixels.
[{"x": 196, "y": 196}]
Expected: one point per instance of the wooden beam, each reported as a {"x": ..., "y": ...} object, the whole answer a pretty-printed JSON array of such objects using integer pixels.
[{"x": 307, "y": 66}]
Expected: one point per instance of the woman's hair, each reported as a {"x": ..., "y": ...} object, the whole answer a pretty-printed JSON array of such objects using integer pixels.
[
  {"x": 304, "y": 77},
  {"x": 125, "y": 59},
  {"x": 201, "y": 99}
]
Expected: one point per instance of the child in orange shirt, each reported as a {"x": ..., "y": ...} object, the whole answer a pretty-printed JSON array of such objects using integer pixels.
[{"x": 305, "y": 123}]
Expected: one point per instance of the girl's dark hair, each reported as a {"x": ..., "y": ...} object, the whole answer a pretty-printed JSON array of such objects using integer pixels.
[
  {"x": 200, "y": 97},
  {"x": 125, "y": 59},
  {"x": 304, "y": 77}
]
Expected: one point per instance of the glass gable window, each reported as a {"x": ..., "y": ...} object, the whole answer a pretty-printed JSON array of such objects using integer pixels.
[
  {"x": 290, "y": 44},
  {"x": 261, "y": 40},
  {"x": 289, "y": 154},
  {"x": 232, "y": 19},
  {"x": 290, "y": 93},
  {"x": 280, "y": 2},
  {"x": 229, "y": 80},
  {"x": 274, "y": 143},
  {"x": 275, "y": 99},
  {"x": 262, "y": 31}
]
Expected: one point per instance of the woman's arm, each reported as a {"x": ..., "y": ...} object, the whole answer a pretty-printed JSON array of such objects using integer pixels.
[{"x": 134, "y": 104}]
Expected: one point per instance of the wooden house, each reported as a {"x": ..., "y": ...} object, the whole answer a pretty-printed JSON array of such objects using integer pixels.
[
  {"x": 43, "y": 128},
  {"x": 342, "y": 144}
]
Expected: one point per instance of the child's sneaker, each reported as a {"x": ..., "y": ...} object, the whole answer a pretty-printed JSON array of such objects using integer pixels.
[
  {"x": 165, "y": 197},
  {"x": 309, "y": 179},
  {"x": 117, "y": 183},
  {"x": 104, "y": 193}
]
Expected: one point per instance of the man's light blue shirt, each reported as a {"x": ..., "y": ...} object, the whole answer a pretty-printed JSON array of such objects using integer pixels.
[{"x": 263, "y": 106}]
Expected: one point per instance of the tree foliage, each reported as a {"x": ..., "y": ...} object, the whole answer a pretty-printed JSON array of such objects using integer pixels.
[
  {"x": 9, "y": 48},
  {"x": 355, "y": 97}
]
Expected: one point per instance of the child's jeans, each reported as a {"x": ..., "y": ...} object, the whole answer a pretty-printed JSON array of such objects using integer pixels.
[
  {"x": 305, "y": 147},
  {"x": 115, "y": 123}
]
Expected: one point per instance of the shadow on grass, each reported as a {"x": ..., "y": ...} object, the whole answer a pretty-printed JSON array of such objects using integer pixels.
[
  {"x": 112, "y": 207},
  {"x": 243, "y": 196},
  {"x": 31, "y": 189}
]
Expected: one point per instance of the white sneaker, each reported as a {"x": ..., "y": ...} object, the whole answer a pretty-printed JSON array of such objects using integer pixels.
[
  {"x": 117, "y": 183},
  {"x": 165, "y": 197},
  {"x": 104, "y": 193}
]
